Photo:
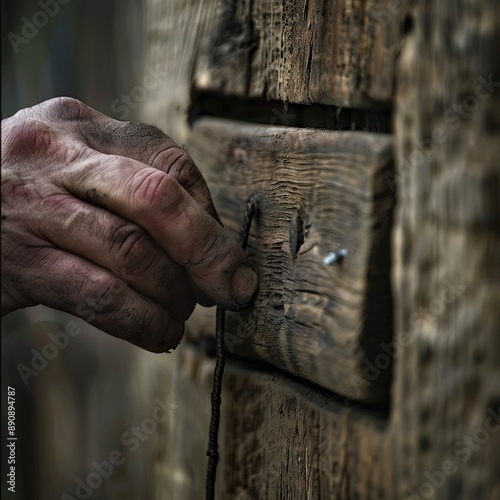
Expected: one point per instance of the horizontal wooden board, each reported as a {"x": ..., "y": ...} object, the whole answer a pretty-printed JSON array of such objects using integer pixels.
[
  {"x": 278, "y": 439},
  {"x": 318, "y": 192},
  {"x": 341, "y": 53}
]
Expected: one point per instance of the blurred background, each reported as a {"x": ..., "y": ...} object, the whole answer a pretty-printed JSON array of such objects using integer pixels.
[
  {"x": 89, "y": 50},
  {"x": 73, "y": 408}
]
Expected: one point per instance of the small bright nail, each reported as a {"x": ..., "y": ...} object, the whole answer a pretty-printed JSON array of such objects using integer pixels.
[{"x": 333, "y": 257}]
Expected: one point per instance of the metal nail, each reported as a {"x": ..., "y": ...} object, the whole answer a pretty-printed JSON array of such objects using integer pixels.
[{"x": 333, "y": 257}]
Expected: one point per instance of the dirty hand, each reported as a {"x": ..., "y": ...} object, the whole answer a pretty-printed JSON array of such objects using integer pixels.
[{"x": 111, "y": 221}]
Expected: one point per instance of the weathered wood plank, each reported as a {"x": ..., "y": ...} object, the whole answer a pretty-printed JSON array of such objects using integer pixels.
[
  {"x": 299, "y": 443},
  {"x": 308, "y": 51},
  {"x": 318, "y": 192},
  {"x": 447, "y": 249},
  {"x": 279, "y": 439}
]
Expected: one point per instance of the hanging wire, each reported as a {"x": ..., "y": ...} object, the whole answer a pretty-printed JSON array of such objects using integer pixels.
[{"x": 220, "y": 361}]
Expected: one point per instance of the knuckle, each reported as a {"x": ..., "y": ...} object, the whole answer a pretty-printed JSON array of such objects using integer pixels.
[
  {"x": 100, "y": 292},
  {"x": 76, "y": 215},
  {"x": 131, "y": 248},
  {"x": 158, "y": 191},
  {"x": 26, "y": 137},
  {"x": 172, "y": 160},
  {"x": 66, "y": 109},
  {"x": 177, "y": 163},
  {"x": 186, "y": 167},
  {"x": 188, "y": 174}
]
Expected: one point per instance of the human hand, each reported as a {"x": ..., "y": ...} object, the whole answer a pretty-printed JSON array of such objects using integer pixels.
[{"x": 112, "y": 222}]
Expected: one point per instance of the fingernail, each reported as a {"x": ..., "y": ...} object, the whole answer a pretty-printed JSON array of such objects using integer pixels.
[{"x": 245, "y": 283}]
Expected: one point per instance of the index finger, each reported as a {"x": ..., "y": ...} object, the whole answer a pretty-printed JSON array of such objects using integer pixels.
[
  {"x": 140, "y": 141},
  {"x": 158, "y": 203}
]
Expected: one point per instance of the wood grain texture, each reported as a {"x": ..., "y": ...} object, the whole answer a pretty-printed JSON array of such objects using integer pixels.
[
  {"x": 279, "y": 439},
  {"x": 173, "y": 30},
  {"x": 286, "y": 441},
  {"x": 317, "y": 192},
  {"x": 447, "y": 249},
  {"x": 307, "y": 51}
]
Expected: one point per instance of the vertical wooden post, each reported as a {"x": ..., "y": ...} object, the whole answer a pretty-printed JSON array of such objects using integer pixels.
[{"x": 447, "y": 245}]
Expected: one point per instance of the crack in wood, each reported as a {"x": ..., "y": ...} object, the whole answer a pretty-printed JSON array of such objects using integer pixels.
[{"x": 272, "y": 112}]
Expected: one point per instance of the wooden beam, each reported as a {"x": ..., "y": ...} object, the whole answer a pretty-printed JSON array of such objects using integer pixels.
[
  {"x": 308, "y": 51},
  {"x": 447, "y": 250},
  {"x": 318, "y": 192}
]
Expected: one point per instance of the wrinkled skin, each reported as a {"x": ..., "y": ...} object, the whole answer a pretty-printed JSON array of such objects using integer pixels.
[{"x": 112, "y": 222}]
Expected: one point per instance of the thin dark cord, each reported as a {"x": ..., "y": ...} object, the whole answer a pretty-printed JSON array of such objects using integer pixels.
[
  {"x": 247, "y": 221},
  {"x": 220, "y": 361}
]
